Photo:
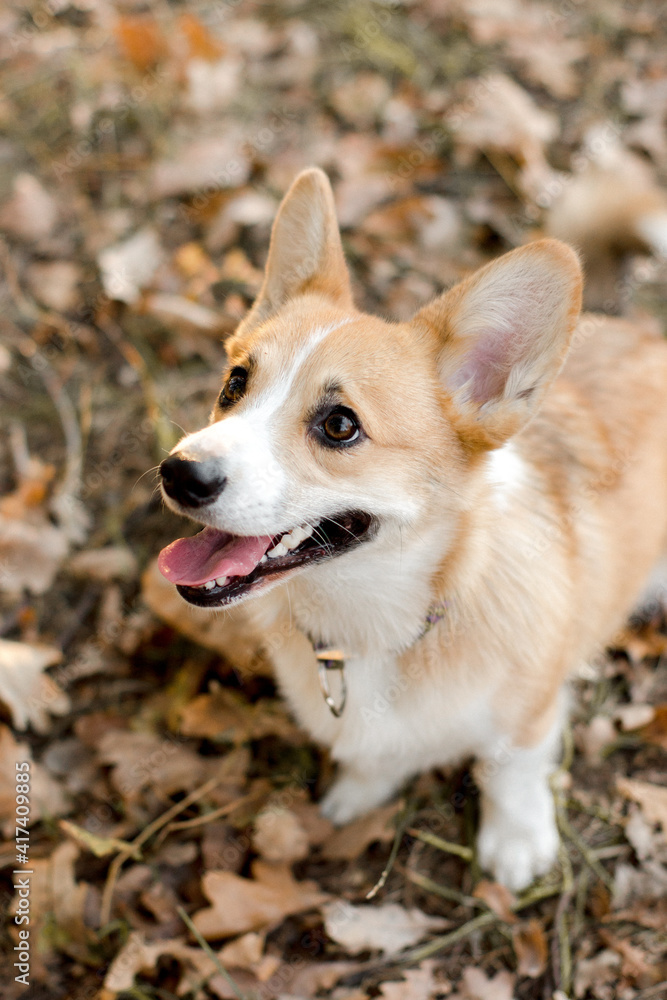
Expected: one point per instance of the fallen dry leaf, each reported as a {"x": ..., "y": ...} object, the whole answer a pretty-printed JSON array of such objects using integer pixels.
[
  {"x": 138, "y": 955},
  {"x": 386, "y": 927},
  {"x": 31, "y": 552},
  {"x": 214, "y": 163},
  {"x": 245, "y": 952},
  {"x": 498, "y": 898},
  {"x": 226, "y": 715},
  {"x": 634, "y": 715},
  {"x": 142, "y": 759},
  {"x": 309, "y": 979},
  {"x": 653, "y": 916},
  {"x": 352, "y": 839},
  {"x": 140, "y": 40},
  {"x": 31, "y": 212},
  {"x": 476, "y": 985},
  {"x": 643, "y": 644},
  {"x": 549, "y": 62},
  {"x": 113, "y": 562},
  {"x": 175, "y": 308},
  {"x": 646, "y": 842},
  {"x": 417, "y": 984},
  {"x": 29, "y": 693},
  {"x": 232, "y": 635},
  {"x": 201, "y": 43},
  {"x": 652, "y": 799},
  {"x": 361, "y": 98},
  {"x": 632, "y": 885},
  {"x": 490, "y": 22},
  {"x": 213, "y": 85},
  {"x": 126, "y": 268},
  {"x": 655, "y": 731},
  {"x": 597, "y": 973},
  {"x": 279, "y": 836},
  {"x": 633, "y": 965},
  {"x": 530, "y": 948},
  {"x": 493, "y": 114},
  {"x": 594, "y": 736},
  {"x": 55, "y": 284},
  {"x": 318, "y": 828},
  {"x": 251, "y": 904}
]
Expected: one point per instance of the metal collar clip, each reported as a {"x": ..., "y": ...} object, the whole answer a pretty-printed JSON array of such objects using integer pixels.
[{"x": 328, "y": 660}]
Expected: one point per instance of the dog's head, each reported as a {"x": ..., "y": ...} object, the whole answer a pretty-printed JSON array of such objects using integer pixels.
[{"x": 335, "y": 429}]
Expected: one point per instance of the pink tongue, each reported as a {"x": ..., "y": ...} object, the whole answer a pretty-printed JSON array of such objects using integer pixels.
[{"x": 211, "y": 554}]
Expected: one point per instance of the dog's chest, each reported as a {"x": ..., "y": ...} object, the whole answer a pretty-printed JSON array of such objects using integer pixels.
[{"x": 394, "y": 712}]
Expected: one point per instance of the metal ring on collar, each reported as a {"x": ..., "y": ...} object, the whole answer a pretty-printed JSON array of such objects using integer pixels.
[{"x": 330, "y": 659}]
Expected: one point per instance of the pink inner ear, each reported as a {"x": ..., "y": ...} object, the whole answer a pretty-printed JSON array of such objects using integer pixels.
[{"x": 488, "y": 364}]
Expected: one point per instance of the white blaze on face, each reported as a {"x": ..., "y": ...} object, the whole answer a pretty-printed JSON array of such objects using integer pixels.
[
  {"x": 257, "y": 490},
  {"x": 270, "y": 402}
]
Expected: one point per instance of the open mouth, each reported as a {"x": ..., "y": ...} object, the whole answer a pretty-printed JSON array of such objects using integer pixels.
[{"x": 215, "y": 568}]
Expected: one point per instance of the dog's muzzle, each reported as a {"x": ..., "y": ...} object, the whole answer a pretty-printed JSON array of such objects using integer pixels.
[{"x": 191, "y": 484}]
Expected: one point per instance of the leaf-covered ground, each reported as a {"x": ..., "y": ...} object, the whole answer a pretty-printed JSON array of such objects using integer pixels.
[{"x": 145, "y": 148}]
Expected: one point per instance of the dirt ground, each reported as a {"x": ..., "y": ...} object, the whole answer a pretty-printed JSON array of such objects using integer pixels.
[{"x": 175, "y": 846}]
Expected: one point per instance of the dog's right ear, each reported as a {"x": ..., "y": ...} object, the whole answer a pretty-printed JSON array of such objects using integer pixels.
[{"x": 305, "y": 253}]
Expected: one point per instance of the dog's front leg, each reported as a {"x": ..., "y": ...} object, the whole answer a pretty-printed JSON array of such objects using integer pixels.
[
  {"x": 518, "y": 837},
  {"x": 358, "y": 788}
]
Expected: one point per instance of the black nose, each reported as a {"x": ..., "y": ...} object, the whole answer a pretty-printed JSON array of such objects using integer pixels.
[{"x": 192, "y": 484}]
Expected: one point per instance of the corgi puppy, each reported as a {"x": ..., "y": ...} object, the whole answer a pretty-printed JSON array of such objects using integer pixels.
[{"x": 456, "y": 512}]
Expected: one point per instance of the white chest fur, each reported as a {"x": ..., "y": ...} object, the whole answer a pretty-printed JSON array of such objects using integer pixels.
[{"x": 401, "y": 715}]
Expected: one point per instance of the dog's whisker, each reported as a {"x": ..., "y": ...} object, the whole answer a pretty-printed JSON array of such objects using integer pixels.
[
  {"x": 146, "y": 473},
  {"x": 319, "y": 534}
]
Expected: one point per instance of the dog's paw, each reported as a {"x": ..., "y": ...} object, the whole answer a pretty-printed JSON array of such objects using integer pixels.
[
  {"x": 353, "y": 795},
  {"x": 516, "y": 851}
]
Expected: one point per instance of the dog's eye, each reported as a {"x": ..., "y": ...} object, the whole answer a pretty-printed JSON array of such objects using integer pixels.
[
  {"x": 341, "y": 426},
  {"x": 234, "y": 388}
]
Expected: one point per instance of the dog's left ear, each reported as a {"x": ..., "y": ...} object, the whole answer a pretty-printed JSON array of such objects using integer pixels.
[
  {"x": 305, "y": 253},
  {"x": 502, "y": 335}
]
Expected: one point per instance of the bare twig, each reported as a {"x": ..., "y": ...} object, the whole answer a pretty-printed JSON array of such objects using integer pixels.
[
  {"x": 563, "y": 952},
  {"x": 26, "y": 307},
  {"x": 453, "y": 895},
  {"x": 146, "y": 834},
  {"x": 204, "y": 818},
  {"x": 575, "y": 838},
  {"x": 479, "y": 922},
  {"x": 448, "y": 846},
  {"x": 445, "y": 940},
  {"x": 205, "y": 946},
  {"x": 401, "y": 827}
]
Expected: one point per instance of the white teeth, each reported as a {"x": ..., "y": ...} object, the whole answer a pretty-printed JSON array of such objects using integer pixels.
[
  {"x": 289, "y": 541},
  {"x": 263, "y": 560},
  {"x": 294, "y": 538},
  {"x": 278, "y": 550},
  {"x": 220, "y": 581},
  {"x": 209, "y": 585}
]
